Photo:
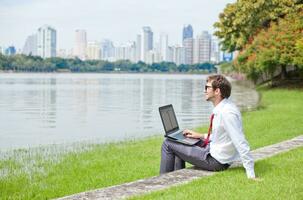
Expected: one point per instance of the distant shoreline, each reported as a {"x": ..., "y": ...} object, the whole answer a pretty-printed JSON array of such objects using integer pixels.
[{"x": 105, "y": 72}]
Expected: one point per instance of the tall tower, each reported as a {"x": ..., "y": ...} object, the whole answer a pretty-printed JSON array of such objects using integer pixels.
[
  {"x": 205, "y": 46},
  {"x": 187, "y": 32},
  {"x": 138, "y": 48},
  {"x": 178, "y": 55},
  {"x": 164, "y": 46},
  {"x": 215, "y": 51},
  {"x": 30, "y": 46},
  {"x": 10, "y": 51},
  {"x": 46, "y": 41},
  {"x": 188, "y": 44},
  {"x": 107, "y": 50},
  {"x": 202, "y": 48},
  {"x": 80, "y": 44},
  {"x": 146, "y": 42},
  {"x": 93, "y": 50}
]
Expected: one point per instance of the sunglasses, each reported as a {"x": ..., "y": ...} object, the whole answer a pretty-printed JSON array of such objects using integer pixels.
[{"x": 207, "y": 86}]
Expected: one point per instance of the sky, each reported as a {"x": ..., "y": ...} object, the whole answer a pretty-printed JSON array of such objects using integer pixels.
[{"x": 117, "y": 20}]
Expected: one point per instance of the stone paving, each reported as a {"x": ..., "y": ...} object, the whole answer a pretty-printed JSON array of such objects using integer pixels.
[{"x": 178, "y": 177}]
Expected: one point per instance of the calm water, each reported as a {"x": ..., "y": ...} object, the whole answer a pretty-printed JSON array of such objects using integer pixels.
[{"x": 39, "y": 109}]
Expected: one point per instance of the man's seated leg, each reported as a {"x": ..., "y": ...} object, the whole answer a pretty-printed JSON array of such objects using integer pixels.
[
  {"x": 195, "y": 155},
  {"x": 179, "y": 163}
]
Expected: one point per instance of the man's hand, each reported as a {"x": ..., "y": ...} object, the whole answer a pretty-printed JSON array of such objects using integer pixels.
[{"x": 192, "y": 134}]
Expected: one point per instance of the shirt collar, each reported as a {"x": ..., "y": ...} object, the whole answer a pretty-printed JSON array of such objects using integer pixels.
[{"x": 220, "y": 106}]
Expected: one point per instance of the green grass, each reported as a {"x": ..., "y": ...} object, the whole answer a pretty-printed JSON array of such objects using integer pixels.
[
  {"x": 282, "y": 177},
  {"x": 24, "y": 175},
  {"x": 101, "y": 166}
]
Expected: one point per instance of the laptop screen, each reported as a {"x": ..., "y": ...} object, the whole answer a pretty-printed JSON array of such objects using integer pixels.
[{"x": 169, "y": 119}]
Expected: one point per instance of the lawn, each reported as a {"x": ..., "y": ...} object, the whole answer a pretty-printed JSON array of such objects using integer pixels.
[
  {"x": 280, "y": 178},
  {"x": 24, "y": 175}
]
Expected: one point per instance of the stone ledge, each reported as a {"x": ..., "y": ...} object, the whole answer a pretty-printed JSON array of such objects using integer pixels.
[{"x": 177, "y": 177}]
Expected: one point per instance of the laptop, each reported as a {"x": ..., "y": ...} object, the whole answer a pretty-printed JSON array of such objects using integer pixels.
[{"x": 171, "y": 126}]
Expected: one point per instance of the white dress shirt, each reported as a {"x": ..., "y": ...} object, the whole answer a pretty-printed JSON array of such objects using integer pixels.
[{"x": 228, "y": 141}]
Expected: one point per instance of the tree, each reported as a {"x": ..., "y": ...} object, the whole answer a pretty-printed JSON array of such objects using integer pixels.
[
  {"x": 3, "y": 62},
  {"x": 37, "y": 64},
  {"x": 298, "y": 60},
  {"x": 108, "y": 66},
  {"x": 274, "y": 48},
  {"x": 241, "y": 21}
]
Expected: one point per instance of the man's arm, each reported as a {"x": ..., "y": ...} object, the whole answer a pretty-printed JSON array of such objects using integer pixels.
[{"x": 233, "y": 126}]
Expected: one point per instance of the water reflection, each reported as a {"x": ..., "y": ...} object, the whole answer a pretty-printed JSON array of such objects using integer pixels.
[{"x": 38, "y": 109}]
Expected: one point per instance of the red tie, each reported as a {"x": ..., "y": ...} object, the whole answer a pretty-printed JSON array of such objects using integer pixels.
[{"x": 206, "y": 141}]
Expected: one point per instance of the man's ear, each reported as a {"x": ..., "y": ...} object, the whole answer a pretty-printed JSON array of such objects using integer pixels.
[{"x": 218, "y": 91}]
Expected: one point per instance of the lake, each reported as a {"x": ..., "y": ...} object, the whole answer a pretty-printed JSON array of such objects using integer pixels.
[{"x": 57, "y": 108}]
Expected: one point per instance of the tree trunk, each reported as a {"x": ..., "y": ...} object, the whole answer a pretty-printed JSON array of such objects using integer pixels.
[{"x": 284, "y": 74}]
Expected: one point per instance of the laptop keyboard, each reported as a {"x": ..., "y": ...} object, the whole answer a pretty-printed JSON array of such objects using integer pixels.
[{"x": 179, "y": 135}]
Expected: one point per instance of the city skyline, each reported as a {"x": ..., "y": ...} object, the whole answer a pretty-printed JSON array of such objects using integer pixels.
[
  {"x": 203, "y": 48},
  {"x": 119, "y": 21}
]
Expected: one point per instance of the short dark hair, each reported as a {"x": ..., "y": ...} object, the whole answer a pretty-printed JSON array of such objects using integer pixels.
[{"x": 219, "y": 81}]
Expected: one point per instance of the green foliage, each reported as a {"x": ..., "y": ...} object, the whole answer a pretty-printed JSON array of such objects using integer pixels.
[
  {"x": 298, "y": 60},
  {"x": 274, "y": 48},
  {"x": 22, "y": 63},
  {"x": 242, "y": 20},
  {"x": 268, "y": 34},
  {"x": 3, "y": 62},
  {"x": 227, "y": 67}
]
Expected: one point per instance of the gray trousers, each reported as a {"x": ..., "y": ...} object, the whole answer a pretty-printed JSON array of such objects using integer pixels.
[{"x": 174, "y": 155}]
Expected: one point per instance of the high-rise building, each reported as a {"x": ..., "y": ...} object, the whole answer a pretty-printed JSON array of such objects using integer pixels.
[
  {"x": 10, "y": 51},
  {"x": 152, "y": 56},
  {"x": 163, "y": 47},
  {"x": 46, "y": 41},
  {"x": 120, "y": 52},
  {"x": 187, "y": 32},
  {"x": 146, "y": 42},
  {"x": 131, "y": 51},
  {"x": 202, "y": 48},
  {"x": 30, "y": 46},
  {"x": 215, "y": 51},
  {"x": 178, "y": 55},
  {"x": 157, "y": 57},
  {"x": 107, "y": 50},
  {"x": 93, "y": 50},
  {"x": 196, "y": 50},
  {"x": 126, "y": 51},
  {"x": 188, "y": 45},
  {"x": 80, "y": 44},
  {"x": 138, "y": 48},
  {"x": 170, "y": 54},
  {"x": 205, "y": 47}
]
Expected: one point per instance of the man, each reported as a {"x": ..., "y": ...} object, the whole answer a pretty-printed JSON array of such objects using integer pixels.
[{"x": 224, "y": 143}]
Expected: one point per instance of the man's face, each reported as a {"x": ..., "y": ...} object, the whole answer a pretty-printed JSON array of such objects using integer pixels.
[{"x": 209, "y": 91}]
